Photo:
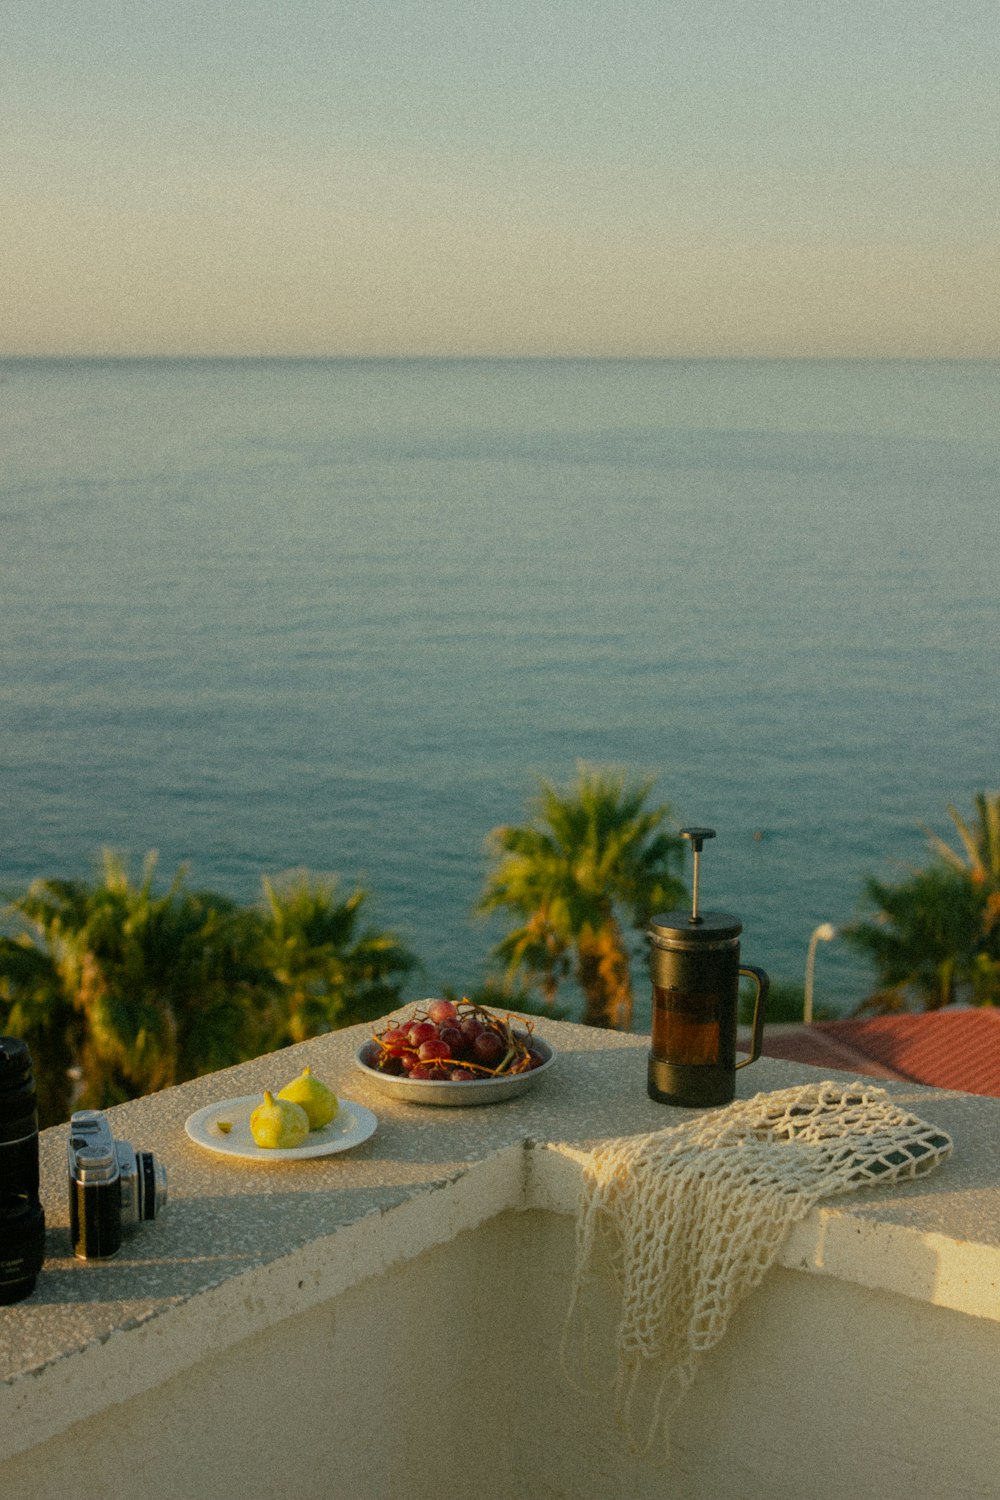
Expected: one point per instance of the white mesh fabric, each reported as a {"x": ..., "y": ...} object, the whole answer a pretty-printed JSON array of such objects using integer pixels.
[{"x": 689, "y": 1219}]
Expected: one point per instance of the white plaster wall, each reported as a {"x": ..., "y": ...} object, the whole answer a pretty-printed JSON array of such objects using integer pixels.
[
  {"x": 441, "y": 1379},
  {"x": 821, "y": 1390}
]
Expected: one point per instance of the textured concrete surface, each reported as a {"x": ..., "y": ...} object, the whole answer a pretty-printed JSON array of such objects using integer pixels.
[
  {"x": 245, "y": 1244},
  {"x": 444, "y": 1379}
]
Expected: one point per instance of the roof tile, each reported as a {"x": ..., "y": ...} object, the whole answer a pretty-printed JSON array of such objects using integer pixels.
[{"x": 952, "y": 1049}]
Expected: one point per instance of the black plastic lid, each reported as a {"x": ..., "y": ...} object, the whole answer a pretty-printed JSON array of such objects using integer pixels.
[{"x": 709, "y": 927}]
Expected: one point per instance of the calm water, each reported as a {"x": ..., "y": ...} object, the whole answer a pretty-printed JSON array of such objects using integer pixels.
[{"x": 338, "y": 614}]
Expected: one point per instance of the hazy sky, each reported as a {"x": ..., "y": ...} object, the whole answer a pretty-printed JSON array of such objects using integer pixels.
[{"x": 633, "y": 177}]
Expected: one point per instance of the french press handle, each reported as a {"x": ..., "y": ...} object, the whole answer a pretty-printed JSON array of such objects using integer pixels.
[{"x": 763, "y": 984}]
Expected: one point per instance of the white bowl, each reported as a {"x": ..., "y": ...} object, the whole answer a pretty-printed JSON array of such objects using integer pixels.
[{"x": 444, "y": 1091}]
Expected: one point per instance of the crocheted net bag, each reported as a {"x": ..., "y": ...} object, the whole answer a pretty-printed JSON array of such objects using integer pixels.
[{"x": 687, "y": 1220}]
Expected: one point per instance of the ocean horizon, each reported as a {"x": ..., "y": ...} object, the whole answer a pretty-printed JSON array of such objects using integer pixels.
[{"x": 262, "y": 613}]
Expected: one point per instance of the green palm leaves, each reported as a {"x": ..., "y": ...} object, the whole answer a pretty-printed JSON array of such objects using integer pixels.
[
  {"x": 980, "y": 840},
  {"x": 328, "y": 970},
  {"x": 937, "y": 933},
  {"x": 128, "y": 990},
  {"x": 593, "y": 860}
]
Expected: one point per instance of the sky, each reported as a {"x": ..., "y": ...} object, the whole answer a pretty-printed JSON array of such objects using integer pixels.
[{"x": 631, "y": 178}]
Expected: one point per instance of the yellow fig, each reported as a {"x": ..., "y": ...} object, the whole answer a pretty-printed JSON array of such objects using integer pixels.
[
  {"x": 279, "y": 1124},
  {"x": 318, "y": 1101}
]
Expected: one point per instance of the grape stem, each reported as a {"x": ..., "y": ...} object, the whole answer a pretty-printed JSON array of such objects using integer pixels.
[{"x": 516, "y": 1059}]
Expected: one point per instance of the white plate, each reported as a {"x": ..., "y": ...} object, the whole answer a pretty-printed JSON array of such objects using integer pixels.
[
  {"x": 443, "y": 1091},
  {"x": 351, "y": 1125}
]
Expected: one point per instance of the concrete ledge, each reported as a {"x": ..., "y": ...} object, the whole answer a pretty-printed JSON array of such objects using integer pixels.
[
  {"x": 243, "y": 1249},
  {"x": 837, "y": 1241},
  {"x": 140, "y": 1355}
]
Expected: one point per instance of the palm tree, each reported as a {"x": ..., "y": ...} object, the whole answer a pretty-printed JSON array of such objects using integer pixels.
[
  {"x": 35, "y": 1007},
  {"x": 981, "y": 867},
  {"x": 128, "y": 990},
  {"x": 151, "y": 989},
  {"x": 593, "y": 860},
  {"x": 937, "y": 933},
  {"x": 924, "y": 936},
  {"x": 326, "y": 971},
  {"x": 981, "y": 842}
]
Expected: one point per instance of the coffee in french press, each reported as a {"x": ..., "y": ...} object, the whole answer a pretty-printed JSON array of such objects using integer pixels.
[{"x": 695, "y": 968}]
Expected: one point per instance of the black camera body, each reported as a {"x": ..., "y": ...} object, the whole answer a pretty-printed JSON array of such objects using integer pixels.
[
  {"x": 22, "y": 1218},
  {"x": 112, "y": 1186}
]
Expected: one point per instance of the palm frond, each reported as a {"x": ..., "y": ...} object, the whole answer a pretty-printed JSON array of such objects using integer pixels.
[{"x": 590, "y": 857}]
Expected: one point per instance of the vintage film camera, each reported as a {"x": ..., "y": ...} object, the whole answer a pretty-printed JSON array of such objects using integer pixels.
[{"x": 111, "y": 1186}]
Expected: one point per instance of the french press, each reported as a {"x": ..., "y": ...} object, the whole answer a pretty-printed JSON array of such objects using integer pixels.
[{"x": 694, "y": 962}]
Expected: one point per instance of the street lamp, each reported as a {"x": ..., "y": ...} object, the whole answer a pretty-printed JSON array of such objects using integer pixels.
[{"x": 822, "y": 934}]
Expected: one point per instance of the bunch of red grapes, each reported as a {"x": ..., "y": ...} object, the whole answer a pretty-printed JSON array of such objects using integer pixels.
[{"x": 456, "y": 1043}]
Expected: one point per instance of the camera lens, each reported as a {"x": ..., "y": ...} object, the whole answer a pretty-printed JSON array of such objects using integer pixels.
[
  {"x": 22, "y": 1220},
  {"x": 152, "y": 1184},
  {"x": 22, "y": 1245},
  {"x": 18, "y": 1120},
  {"x": 143, "y": 1184}
]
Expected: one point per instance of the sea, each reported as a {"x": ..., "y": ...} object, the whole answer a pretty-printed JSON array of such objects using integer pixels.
[{"x": 342, "y": 615}]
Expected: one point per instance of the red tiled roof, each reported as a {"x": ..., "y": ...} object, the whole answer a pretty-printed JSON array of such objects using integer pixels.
[{"x": 950, "y": 1049}]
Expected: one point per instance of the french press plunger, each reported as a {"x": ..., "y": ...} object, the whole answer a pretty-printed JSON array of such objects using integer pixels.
[{"x": 695, "y": 966}]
